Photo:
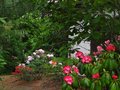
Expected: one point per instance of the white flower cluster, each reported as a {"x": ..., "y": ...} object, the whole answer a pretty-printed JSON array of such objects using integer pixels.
[
  {"x": 50, "y": 55},
  {"x": 22, "y": 64},
  {"x": 37, "y": 54}
]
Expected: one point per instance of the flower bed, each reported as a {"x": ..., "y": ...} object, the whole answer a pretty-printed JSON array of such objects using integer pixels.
[{"x": 97, "y": 71}]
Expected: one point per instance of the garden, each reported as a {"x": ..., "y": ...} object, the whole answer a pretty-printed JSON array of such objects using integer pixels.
[{"x": 37, "y": 39}]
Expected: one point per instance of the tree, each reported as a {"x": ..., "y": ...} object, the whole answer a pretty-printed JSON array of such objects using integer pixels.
[{"x": 99, "y": 18}]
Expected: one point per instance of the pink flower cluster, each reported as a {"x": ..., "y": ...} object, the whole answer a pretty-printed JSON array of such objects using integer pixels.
[
  {"x": 84, "y": 59},
  {"x": 68, "y": 79},
  {"x": 68, "y": 70},
  {"x": 109, "y": 47},
  {"x": 79, "y": 54},
  {"x": 99, "y": 51}
]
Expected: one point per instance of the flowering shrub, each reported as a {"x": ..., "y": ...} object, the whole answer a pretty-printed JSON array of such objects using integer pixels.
[
  {"x": 23, "y": 72},
  {"x": 37, "y": 65},
  {"x": 100, "y": 70}
]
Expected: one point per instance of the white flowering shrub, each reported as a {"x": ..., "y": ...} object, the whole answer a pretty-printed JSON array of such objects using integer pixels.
[{"x": 39, "y": 63}]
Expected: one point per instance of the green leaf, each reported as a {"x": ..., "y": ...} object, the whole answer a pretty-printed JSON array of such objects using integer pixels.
[
  {"x": 92, "y": 87},
  {"x": 96, "y": 85},
  {"x": 69, "y": 88},
  {"x": 113, "y": 64},
  {"x": 95, "y": 70},
  {"x": 64, "y": 86},
  {"x": 85, "y": 82},
  {"x": 106, "y": 78},
  {"x": 75, "y": 82},
  {"x": 113, "y": 86}
]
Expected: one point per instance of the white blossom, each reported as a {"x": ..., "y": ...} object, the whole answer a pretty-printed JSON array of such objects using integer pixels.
[
  {"x": 50, "y": 62},
  {"x": 23, "y": 64},
  {"x": 41, "y": 51},
  {"x": 60, "y": 63},
  {"x": 20, "y": 64},
  {"x": 50, "y": 55},
  {"x": 27, "y": 62},
  {"x": 38, "y": 56},
  {"x": 30, "y": 58},
  {"x": 34, "y": 53}
]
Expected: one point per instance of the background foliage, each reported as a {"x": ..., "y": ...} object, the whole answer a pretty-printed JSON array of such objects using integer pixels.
[{"x": 30, "y": 24}]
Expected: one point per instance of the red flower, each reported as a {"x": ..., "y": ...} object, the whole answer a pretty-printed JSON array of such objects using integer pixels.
[
  {"x": 79, "y": 54},
  {"x": 76, "y": 70},
  {"x": 86, "y": 59},
  {"x": 110, "y": 47},
  {"x": 68, "y": 79},
  {"x": 67, "y": 69},
  {"x": 96, "y": 76},
  {"x": 18, "y": 69},
  {"x": 114, "y": 77}
]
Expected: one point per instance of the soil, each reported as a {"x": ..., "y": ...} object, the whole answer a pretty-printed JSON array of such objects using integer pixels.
[{"x": 9, "y": 82}]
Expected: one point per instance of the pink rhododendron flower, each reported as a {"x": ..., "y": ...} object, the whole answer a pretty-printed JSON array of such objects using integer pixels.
[
  {"x": 107, "y": 42},
  {"x": 68, "y": 79},
  {"x": 110, "y": 47},
  {"x": 86, "y": 59},
  {"x": 79, "y": 54},
  {"x": 76, "y": 70},
  {"x": 99, "y": 48},
  {"x": 96, "y": 76},
  {"x": 114, "y": 77},
  {"x": 67, "y": 69}
]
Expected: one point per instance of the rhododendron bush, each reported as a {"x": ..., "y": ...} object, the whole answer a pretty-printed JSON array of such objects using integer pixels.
[{"x": 98, "y": 71}]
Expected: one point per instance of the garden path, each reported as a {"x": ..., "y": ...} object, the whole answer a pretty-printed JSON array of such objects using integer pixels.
[{"x": 11, "y": 83}]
